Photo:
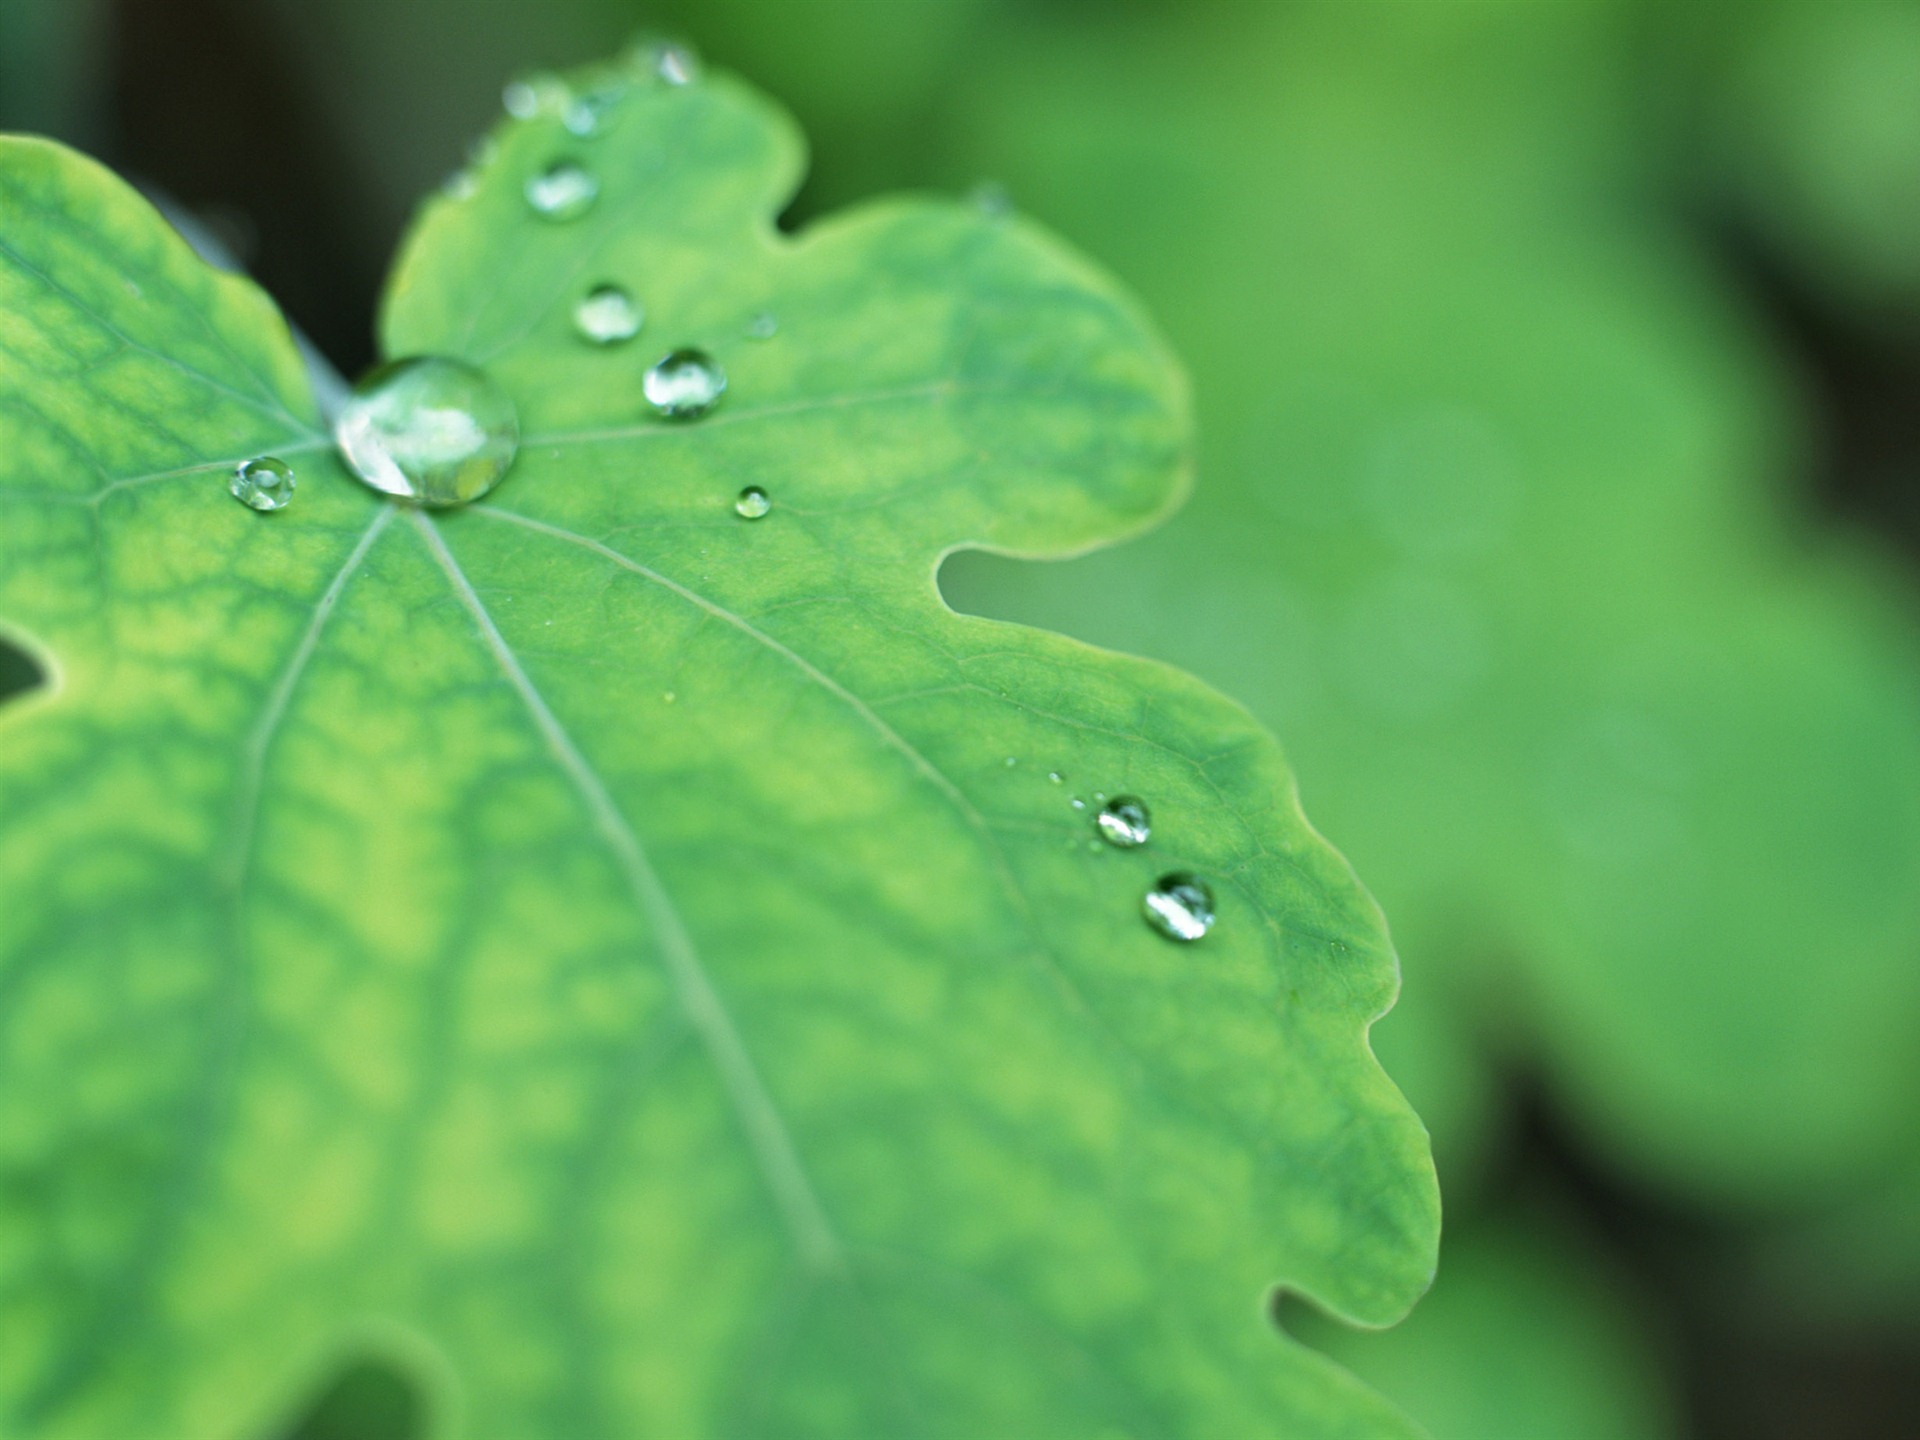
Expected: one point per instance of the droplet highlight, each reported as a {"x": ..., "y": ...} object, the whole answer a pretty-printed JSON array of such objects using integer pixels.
[
  {"x": 1123, "y": 821},
  {"x": 991, "y": 199},
  {"x": 563, "y": 191},
  {"x": 428, "y": 429},
  {"x": 263, "y": 484},
  {"x": 1179, "y": 906},
  {"x": 752, "y": 503},
  {"x": 684, "y": 384},
  {"x": 608, "y": 315},
  {"x": 588, "y": 115},
  {"x": 675, "y": 64},
  {"x": 528, "y": 98}
]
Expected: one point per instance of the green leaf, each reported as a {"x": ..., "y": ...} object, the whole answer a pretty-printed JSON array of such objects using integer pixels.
[
  {"x": 1491, "y": 533},
  {"x": 634, "y": 969}
]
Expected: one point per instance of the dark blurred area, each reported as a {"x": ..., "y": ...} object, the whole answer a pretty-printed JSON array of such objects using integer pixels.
[{"x": 1735, "y": 190}]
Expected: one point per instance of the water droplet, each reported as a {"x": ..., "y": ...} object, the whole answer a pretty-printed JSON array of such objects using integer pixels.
[
  {"x": 1179, "y": 906},
  {"x": 461, "y": 185},
  {"x": 668, "y": 697},
  {"x": 606, "y": 315},
  {"x": 752, "y": 503},
  {"x": 429, "y": 429},
  {"x": 562, "y": 191},
  {"x": 263, "y": 484},
  {"x": 685, "y": 384},
  {"x": 1123, "y": 821},
  {"x": 1012, "y": 760},
  {"x": 528, "y": 98},
  {"x": 991, "y": 199},
  {"x": 763, "y": 326},
  {"x": 1077, "y": 803},
  {"x": 587, "y": 115},
  {"x": 675, "y": 64},
  {"x": 1056, "y": 777}
]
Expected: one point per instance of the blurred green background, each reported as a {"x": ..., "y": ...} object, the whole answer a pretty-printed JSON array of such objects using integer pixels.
[{"x": 1558, "y": 366}]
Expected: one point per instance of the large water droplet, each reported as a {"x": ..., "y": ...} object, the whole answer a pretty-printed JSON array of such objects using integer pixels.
[
  {"x": 1123, "y": 821},
  {"x": 562, "y": 191},
  {"x": 752, "y": 503},
  {"x": 263, "y": 484},
  {"x": 1179, "y": 906},
  {"x": 607, "y": 315},
  {"x": 684, "y": 384},
  {"x": 428, "y": 429}
]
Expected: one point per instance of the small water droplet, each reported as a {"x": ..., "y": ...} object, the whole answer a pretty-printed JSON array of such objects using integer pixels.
[
  {"x": 1012, "y": 760},
  {"x": 461, "y": 185},
  {"x": 263, "y": 484},
  {"x": 607, "y": 315},
  {"x": 675, "y": 64},
  {"x": 763, "y": 326},
  {"x": 991, "y": 199},
  {"x": 669, "y": 697},
  {"x": 1056, "y": 777},
  {"x": 684, "y": 384},
  {"x": 587, "y": 115},
  {"x": 1179, "y": 906},
  {"x": 529, "y": 97},
  {"x": 1077, "y": 803},
  {"x": 751, "y": 503},
  {"x": 429, "y": 429},
  {"x": 562, "y": 191},
  {"x": 1123, "y": 821}
]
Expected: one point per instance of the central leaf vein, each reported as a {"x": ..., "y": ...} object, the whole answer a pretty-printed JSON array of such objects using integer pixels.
[{"x": 767, "y": 1134}]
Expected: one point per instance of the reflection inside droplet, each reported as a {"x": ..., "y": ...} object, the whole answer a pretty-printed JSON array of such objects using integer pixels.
[
  {"x": 563, "y": 191},
  {"x": 684, "y": 384},
  {"x": 607, "y": 315},
  {"x": 429, "y": 429},
  {"x": 1123, "y": 821},
  {"x": 265, "y": 483},
  {"x": 1179, "y": 906}
]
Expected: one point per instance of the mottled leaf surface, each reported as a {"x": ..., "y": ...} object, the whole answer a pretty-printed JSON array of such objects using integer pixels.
[{"x": 634, "y": 970}]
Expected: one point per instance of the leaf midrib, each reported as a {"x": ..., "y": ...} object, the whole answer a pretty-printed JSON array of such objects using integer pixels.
[{"x": 772, "y": 1143}]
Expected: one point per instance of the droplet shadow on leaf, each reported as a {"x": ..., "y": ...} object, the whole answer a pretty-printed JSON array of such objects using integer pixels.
[
  {"x": 20, "y": 673},
  {"x": 367, "y": 1400}
]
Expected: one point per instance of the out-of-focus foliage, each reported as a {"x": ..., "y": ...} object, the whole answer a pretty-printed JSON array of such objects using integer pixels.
[
  {"x": 1494, "y": 530},
  {"x": 52, "y": 66},
  {"x": 1808, "y": 125},
  {"x": 1524, "y": 1338}
]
